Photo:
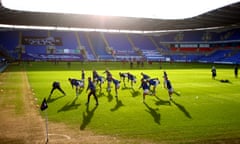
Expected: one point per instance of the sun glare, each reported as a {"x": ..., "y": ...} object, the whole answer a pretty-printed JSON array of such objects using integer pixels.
[{"x": 156, "y": 9}]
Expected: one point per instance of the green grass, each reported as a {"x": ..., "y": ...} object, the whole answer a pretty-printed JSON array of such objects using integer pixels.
[
  {"x": 12, "y": 91},
  {"x": 207, "y": 109}
]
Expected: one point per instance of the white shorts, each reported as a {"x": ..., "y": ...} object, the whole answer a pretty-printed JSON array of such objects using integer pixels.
[
  {"x": 80, "y": 84},
  {"x": 118, "y": 86},
  {"x": 156, "y": 82},
  {"x": 170, "y": 90},
  {"x": 125, "y": 75},
  {"x": 146, "y": 91},
  {"x": 102, "y": 80}
]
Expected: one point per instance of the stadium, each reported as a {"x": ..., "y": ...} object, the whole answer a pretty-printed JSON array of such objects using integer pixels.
[{"x": 39, "y": 48}]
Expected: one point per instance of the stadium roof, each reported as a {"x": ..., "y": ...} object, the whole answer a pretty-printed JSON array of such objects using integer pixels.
[{"x": 227, "y": 16}]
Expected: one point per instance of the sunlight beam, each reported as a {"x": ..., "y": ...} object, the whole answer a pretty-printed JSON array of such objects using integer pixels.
[{"x": 155, "y": 9}]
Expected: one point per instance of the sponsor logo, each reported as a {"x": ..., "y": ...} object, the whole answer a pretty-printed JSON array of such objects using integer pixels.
[{"x": 48, "y": 41}]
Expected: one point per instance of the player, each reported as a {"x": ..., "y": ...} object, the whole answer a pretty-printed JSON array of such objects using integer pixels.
[
  {"x": 92, "y": 88},
  {"x": 95, "y": 76},
  {"x": 165, "y": 74},
  {"x": 132, "y": 78},
  {"x": 153, "y": 82},
  {"x": 109, "y": 79},
  {"x": 56, "y": 85},
  {"x": 214, "y": 72},
  {"x": 169, "y": 88},
  {"x": 78, "y": 84},
  {"x": 123, "y": 76},
  {"x": 165, "y": 77},
  {"x": 131, "y": 64},
  {"x": 83, "y": 76},
  {"x": 144, "y": 76},
  {"x": 100, "y": 81},
  {"x": 146, "y": 88},
  {"x": 117, "y": 85},
  {"x": 236, "y": 71}
]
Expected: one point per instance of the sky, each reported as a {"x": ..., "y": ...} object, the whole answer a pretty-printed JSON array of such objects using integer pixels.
[{"x": 155, "y": 9}]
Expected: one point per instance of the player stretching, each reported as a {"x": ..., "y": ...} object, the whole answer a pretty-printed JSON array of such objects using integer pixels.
[
  {"x": 117, "y": 85},
  {"x": 132, "y": 78},
  {"x": 100, "y": 81},
  {"x": 123, "y": 76},
  {"x": 145, "y": 87},
  {"x": 144, "y": 76},
  {"x": 109, "y": 79},
  {"x": 78, "y": 84},
  {"x": 56, "y": 85},
  {"x": 153, "y": 82},
  {"x": 165, "y": 77},
  {"x": 95, "y": 76},
  {"x": 92, "y": 88},
  {"x": 170, "y": 89}
]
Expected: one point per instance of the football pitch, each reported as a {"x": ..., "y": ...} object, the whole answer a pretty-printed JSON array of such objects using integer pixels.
[{"x": 205, "y": 110}]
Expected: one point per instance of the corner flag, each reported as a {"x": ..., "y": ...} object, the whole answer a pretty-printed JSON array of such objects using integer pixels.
[{"x": 44, "y": 105}]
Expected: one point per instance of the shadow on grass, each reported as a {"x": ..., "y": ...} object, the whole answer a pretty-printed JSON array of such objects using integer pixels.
[
  {"x": 156, "y": 115},
  {"x": 135, "y": 93},
  {"x": 118, "y": 105},
  {"x": 50, "y": 99},
  {"x": 126, "y": 88},
  {"x": 176, "y": 93},
  {"x": 161, "y": 102},
  {"x": 100, "y": 94},
  {"x": 80, "y": 91},
  {"x": 224, "y": 81},
  {"x": 183, "y": 109},
  {"x": 70, "y": 106},
  {"x": 87, "y": 117},
  {"x": 110, "y": 97}
]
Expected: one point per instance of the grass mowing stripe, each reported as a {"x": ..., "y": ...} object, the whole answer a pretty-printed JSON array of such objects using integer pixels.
[{"x": 12, "y": 85}]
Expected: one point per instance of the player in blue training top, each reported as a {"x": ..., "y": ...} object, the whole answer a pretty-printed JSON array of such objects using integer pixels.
[
  {"x": 144, "y": 76},
  {"x": 169, "y": 88},
  {"x": 109, "y": 79},
  {"x": 123, "y": 76},
  {"x": 132, "y": 78},
  {"x": 56, "y": 85},
  {"x": 146, "y": 88},
  {"x": 100, "y": 81},
  {"x": 78, "y": 84},
  {"x": 165, "y": 77},
  {"x": 153, "y": 82},
  {"x": 117, "y": 85},
  {"x": 95, "y": 75},
  {"x": 92, "y": 88}
]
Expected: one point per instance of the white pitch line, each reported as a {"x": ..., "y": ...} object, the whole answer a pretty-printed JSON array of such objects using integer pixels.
[{"x": 62, "y": 135}]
